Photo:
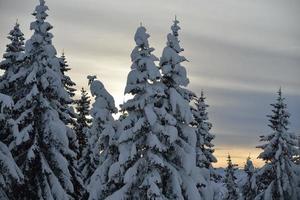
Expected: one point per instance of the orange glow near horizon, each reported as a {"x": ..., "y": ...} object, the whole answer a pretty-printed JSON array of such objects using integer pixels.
[{"x": 238, "y": 156}]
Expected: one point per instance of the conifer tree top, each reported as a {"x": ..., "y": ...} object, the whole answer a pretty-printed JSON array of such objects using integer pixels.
[
  {"x": 16, "y": 36},
  {"x": 40, "y": 11},
  {"x": 15, "y": 48},
  {"x": 201, "y": 105},
  {"x": 174, "y": 74},
  {"x": 202, "y": 98},
  {"x": 280, "y": 141},
  {"x": 279, "y": 119},
  {"x": 41, "y": 28},
  {"x": 230, "y": 165},
  {"x": 249, "y": 165},
  {"x": 141, "y": 37},
  {"x": 173, "y": 37},
  {"x": 143, "y": 67},
  {"x": 232, "y": 189},
  {"x": 229, "y": 161},
  {"x": 175, "y": 28}
]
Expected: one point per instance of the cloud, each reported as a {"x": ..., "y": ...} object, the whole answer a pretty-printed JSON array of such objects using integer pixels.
[{"x": 240, "y": 52}]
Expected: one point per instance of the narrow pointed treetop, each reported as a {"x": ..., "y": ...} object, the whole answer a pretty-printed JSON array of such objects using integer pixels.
[
  {"x": 68, "y": 83},
  {"x": 13, "y": 58},
  {"x": 279, "y": 120},
  {"x": 13, "y": 49},
  {"x": 249, "y": 165},
  {"x": 205, "y": 150},
  {"x": 230, "y": 181},
  {"x": 230, "y": 163},
  {"x": 83, "y": 121},
  {"x": 40, "y": 11},
  {"x": 143, "y": 66},
  {"x": 175, "y": 28},
  {"x": 249, "y": 189},
  {"x": 69, "y": 86},
  {"x": 174, "y": 74},
  {"x": 41, "y": 31}
]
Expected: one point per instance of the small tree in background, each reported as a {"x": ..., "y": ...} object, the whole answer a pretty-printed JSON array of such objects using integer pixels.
[
  {"x": 230, "y": 181},
  {"x": 204, "y": 146},
  {"x": 67, "y": 81},
  {"x": 101, "y": 112},
  {"x": 83, "y": 121},
  {"x": 67, "y": 106},
  {"x": 249, "y": 188},
  {"x": 12, "y": 59},
  {"x": 103, "y": 140}
]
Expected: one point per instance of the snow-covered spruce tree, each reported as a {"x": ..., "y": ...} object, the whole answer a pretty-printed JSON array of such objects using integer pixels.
[
  {"x": 42, "y": 136},
  {"x": 68, "y": 83},
  {"x": 103, "y": 140},
  {"x": 67, "y": 114},
  {"x": 101, "y": 112},
  {"x": 277, "y": 179},
  {"x": 12, "y": 59},
  {"x": 82, "y": 120},
  {"x": 69, "y": 87},
  {"x": 142, "y": 145},
  {"x": 66, "y": 111},
  {"x": 11, "y": 176},
  {"x": 187, "y": 181},
  {"x": 249, "y": 188},
  {"x": 230, "y": 181},
  {"x": 204, "y": 146}
]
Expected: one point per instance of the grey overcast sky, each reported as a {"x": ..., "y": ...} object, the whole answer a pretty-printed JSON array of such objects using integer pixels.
[{"x": 240, "y": 53}]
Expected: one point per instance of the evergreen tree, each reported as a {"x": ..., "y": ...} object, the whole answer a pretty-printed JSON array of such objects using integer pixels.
[
  {"x": 42, "y": 139},
  {"x": 83, "y": 122},
  {"x": 12, "y": 59},
  {"x": 277, "y": 179},
  {"x": 11, "y": 176},
  {"x": 191, "y": 181},
  {"x": 230, "y": 181},
  {"x": 101, "y": 113},
  {"x": 66, "y": 111},
  {"x": 103, "y": 138},
  {"x": 249, "y": 188},
  {"x": 69, "y": 85},
  {"x": 204, "y": 147},
  {"x": 11, "y": 80},
  {"x": 141, "y": 164}
]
